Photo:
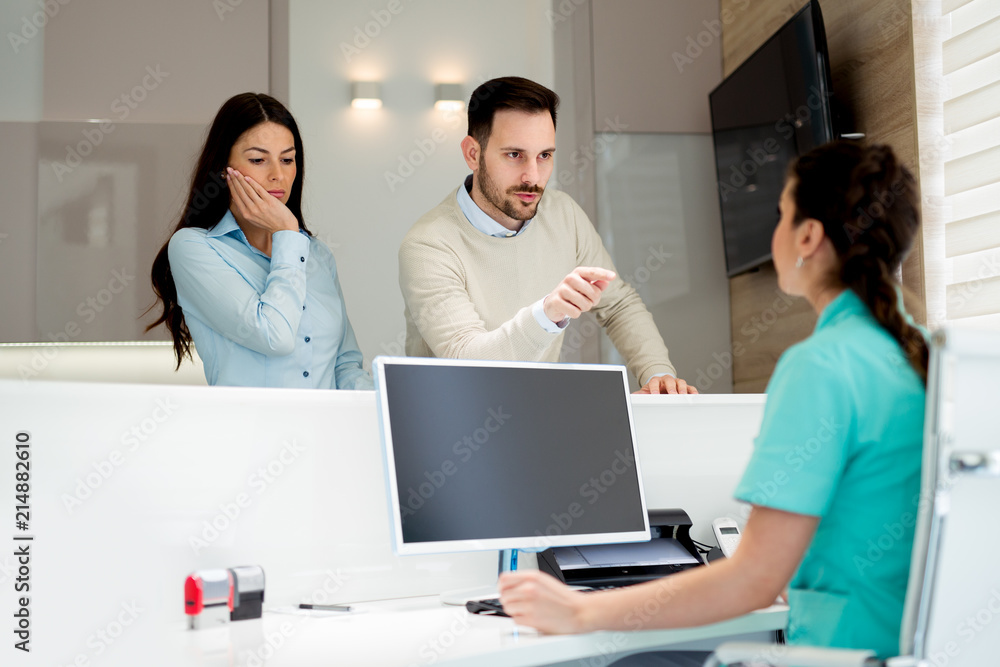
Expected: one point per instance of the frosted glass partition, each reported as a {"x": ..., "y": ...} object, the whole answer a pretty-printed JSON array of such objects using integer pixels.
[
  {"x": 107, "y": 198},
  {"x": 658, "y": 212}
]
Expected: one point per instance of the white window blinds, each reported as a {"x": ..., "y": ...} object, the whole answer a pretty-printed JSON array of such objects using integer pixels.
[{"x": 971, "y": 69}]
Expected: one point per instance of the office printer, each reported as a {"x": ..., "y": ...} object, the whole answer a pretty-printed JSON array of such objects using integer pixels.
[{"x": 669, "y": 550}]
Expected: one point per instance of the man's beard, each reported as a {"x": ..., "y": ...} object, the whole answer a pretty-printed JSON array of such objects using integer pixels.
[{"x": 512, "y": 208}]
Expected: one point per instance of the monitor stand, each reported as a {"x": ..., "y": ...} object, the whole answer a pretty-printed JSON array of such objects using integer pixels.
[{"x": 459, "y": 596}]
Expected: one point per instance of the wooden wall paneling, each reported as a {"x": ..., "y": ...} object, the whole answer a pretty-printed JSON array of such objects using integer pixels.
[
  {"x": 765, "y": 322},
  {"x": 752, "y": 24}
]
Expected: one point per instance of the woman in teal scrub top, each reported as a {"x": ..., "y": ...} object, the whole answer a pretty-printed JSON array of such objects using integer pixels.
[{"x": 834, "y": 479}]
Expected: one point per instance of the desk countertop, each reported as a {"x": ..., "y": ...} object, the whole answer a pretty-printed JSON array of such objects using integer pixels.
[{"x": 422, "y": 631}]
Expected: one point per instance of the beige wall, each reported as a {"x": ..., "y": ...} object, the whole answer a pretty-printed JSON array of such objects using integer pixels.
[
  {"x": 655, "y": 62},
  {"x": 204, "y": 53},
  {"x": 871, "y": 62}
]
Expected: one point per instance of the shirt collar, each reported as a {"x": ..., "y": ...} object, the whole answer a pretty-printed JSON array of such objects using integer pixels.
[
  {"x": 225, "y": 226},
  {"x": 228, "y": 225},
  {"x": 479, "y": 219},
  {"x": 847, "y": 303}
]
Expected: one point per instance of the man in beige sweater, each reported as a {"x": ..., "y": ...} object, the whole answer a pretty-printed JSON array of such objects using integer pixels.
[{"x": 498, "y": 271}]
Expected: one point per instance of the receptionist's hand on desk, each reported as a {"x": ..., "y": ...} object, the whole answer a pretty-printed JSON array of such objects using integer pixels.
[
  {"x": 665, "y": 384},
  {"x": 539, "y": 600}
]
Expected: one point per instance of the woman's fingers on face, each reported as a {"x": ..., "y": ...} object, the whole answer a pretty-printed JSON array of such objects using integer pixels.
[
  {"x": 236, "y": 183},
  {"x": 256, "y": 187},
  {"x": 245, "y": 193},
  {"x": 248, "y": 187}
]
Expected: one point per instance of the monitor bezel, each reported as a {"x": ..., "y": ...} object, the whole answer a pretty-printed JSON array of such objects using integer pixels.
[{"x": 534, "y": 543}]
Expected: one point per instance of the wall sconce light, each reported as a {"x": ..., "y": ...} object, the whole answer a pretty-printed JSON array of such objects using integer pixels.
[
  {"x": 448, "y": 96},
  {"x": 366, "y": 95}
]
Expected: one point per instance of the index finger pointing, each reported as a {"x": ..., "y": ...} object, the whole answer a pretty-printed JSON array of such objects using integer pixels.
[{"x": 595, "y": 273}]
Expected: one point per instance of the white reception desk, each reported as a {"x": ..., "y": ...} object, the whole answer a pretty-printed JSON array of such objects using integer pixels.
[{"x": 133, "y": 487}]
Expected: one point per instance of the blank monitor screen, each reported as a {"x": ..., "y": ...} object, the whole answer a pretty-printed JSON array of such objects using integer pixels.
[{"x": 508, "y": 455}]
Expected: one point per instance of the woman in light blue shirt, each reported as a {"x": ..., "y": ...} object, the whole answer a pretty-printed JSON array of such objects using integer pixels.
[
  {"x": 242, "y": 277},
  {"x": 834, "y": 480}
]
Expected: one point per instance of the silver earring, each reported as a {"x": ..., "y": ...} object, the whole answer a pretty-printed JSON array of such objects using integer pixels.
[{"x": 799, "y": 262}]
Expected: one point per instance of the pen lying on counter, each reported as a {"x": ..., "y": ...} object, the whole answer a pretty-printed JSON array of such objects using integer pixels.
[{"x": 326, "y": 607}]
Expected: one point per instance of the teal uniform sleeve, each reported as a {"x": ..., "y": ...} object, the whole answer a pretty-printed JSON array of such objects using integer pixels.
[{"x": 800, "y": 453}]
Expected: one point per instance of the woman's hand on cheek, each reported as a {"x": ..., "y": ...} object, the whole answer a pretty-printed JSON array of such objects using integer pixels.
[{"x": 252, "y": 204}]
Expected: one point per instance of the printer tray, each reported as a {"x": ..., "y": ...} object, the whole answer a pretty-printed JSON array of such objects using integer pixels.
[{"x": 614, "y": 565}]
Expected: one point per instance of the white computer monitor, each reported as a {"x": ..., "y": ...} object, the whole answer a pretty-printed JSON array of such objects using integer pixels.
[{"x": 508, "y": 455}]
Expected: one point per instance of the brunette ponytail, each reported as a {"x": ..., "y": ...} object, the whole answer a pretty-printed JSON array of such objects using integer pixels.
[{"x": 869, "y": 206}]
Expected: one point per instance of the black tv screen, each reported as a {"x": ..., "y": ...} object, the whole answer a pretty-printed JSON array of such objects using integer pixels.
[{"x": 774, "y": 107}]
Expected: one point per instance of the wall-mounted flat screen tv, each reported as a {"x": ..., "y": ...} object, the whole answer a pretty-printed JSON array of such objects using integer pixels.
[{"x": 774, "y": 107}]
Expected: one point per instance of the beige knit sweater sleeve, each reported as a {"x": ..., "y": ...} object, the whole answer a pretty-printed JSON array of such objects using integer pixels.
[{"x": 621, "y": 312}]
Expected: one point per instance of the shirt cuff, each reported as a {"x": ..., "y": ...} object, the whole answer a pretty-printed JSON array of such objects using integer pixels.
[
  {"x": 544, "y": 322},
  {"x": 659, "y": 375},
  {"x": 289, "y": 247}
]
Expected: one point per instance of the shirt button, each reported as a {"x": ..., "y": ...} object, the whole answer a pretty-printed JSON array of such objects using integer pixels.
[
  {"x": 302, "y": 259},
  {"x": 305, "y": 374},
  {"x": 308, "y": 339},
  {"x": 303, "y": 307}
]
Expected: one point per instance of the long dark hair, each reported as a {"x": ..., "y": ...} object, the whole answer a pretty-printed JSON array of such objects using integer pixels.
[
  {"x": 208, "y": 199},
  {"x": 870, "y": 210}
]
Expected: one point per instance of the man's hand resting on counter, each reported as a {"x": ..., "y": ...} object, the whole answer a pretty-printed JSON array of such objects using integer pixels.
[{"x": 664, "y": 384}]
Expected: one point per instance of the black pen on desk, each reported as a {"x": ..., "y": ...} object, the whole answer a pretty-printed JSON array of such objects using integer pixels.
[{"x": 326, "y": 607}]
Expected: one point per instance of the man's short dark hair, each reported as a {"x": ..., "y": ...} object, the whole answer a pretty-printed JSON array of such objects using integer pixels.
[{"x": 508, "y": 92}]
